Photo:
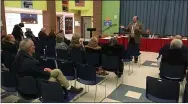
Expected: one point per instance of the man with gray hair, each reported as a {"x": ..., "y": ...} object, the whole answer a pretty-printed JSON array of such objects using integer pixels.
[
  {"x": 167, "y": 46},
  {"x": 176, "y": 44},
  {"x": 26, "y": 65}
]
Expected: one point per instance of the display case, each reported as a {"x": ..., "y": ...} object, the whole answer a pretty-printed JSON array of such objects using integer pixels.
[{"x": 68, "y": 25}]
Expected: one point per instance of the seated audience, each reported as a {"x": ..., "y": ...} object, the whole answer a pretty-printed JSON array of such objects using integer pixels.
[
  {"x": 65, "y": 39},
  {"x": 51, "y": 36},
  {"x": 29, "y": 34},
  {"x": 93, "y": 47},
  {"x": 60, "y": 44},
  {"x": 175, "y": 55},
  {"x": 26, "y": 65},
  {"x": 167, "y": 46},
  {"x": 113, "y": 48},
  {"x": 76, "y": 43},
  {"x": 9, "y": 44}
]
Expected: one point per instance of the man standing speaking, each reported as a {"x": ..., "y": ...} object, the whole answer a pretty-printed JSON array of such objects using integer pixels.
[{"x": 135, "y": 30}]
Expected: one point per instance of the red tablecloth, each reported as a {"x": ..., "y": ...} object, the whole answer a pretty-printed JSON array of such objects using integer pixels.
[{"x": 150, "y": 45}]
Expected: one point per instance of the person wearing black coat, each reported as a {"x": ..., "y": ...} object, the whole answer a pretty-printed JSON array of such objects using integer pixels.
[
  {"x": 9, "y": 50},
  {"x": 29, "y": 34},
  {"x": 26, "y": 65},
  {"x": 9, "y": 44},
  {"x": 114, "y": 49},
  {"x": 42, "y": 37},
  {"x": 175, "y": 55},
  {"x": 17, "y": 32}
]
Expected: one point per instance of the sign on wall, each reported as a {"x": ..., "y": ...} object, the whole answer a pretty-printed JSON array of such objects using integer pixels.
[
  {"x": 107, "y": 22},
  {"x": 80, "y": 3},
  {"x": 27, "y": 4}
]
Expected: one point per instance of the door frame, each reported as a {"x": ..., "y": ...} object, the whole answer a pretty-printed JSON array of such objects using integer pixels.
[{"x": 82, "y": 25}]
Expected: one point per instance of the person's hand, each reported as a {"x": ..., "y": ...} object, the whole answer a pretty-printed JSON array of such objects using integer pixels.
[{"x": 47, "y": 69}]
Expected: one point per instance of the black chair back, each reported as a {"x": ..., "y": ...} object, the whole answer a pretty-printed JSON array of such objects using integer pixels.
[
  {"x": 111, "y": 63},
  {"x": 28, "y": 87},
  {"x": 62, "y": 54},
  {"x": 77, "y": 56},
  {"x": 48, "y": 63},
  {"x": 8, "y": 81},
  {"x": 67, "y": 69},
  {"x": 52, "y": 92},
  {"x": 7, "y": 58},
  {"x": 86, "y": 72},
  {"x": 162, "y": 91},
  {"x": 92, "y": 59},
  {"x": 172, "y": 72},
  {"x": 185, "y": 97}
]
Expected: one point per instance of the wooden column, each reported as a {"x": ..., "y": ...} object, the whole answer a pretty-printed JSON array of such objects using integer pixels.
[
  {"x": 49, "y": 16},
  {"x": 3, "y": 19},
  {"x": 97, "y": 17}
]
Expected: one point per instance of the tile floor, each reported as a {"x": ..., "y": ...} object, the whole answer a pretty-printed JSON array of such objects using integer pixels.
[{"x": 131, "y": 90}]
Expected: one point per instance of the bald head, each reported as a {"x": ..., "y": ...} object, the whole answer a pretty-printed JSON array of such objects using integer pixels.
[
  {"x": 178, "y": 37},
  {"x": 135, "y": 19}
]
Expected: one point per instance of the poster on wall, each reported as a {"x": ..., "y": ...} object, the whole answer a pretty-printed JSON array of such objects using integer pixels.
[
  {"x": 107, "y": 22},
  {"x": 80, "y": 3},
  {"x": 27, "y": 4}
]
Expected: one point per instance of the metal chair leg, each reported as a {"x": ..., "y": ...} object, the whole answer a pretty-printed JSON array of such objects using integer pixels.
[
  {"x": 130, "y": 71},
  {"x": 105, "y": 87},
  {"x": 95, "y": 93}
]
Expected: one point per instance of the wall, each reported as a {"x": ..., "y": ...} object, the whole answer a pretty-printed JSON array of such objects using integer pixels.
[
  {"x": 17, "y": 4},
  {"x": 14, "y": 18},
  {"x": 58, "y": 4},
  {"x": 87, "y": 10},
  {"x": 109, "y": 9}
]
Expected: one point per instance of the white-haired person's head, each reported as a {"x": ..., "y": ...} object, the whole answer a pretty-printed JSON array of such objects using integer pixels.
[
  {"x": 176, "y": 44},
  {"x": 178, "y": 37},
  {"x": 27, "y": 46}
]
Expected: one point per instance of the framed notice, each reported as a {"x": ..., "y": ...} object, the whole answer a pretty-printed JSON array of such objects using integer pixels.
[
  {"x": 27, "y": 4},
  {"x": 107, "y": 22}
]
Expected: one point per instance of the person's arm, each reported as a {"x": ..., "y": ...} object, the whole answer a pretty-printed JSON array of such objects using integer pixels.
[{"x": 140, "y": 29}]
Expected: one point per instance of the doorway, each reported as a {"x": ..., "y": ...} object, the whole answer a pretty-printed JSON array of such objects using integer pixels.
[{"x": 86, "y": 23}]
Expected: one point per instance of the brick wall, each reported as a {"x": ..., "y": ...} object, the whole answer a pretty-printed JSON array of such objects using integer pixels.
[
  {"x": 3, "y": 28},
  {"x": 97, "y": 16},
  {"x": 77, "y": 29},
  {"x": 49, "y": 16}
]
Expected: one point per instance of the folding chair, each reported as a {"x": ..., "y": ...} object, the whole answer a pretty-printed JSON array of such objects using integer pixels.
[
  {"x": 90, "y": 78},
  {"x": 48, "y": 63},
  {"x": 111, "y": 64},
  {"x": 127, "y": 59},
  {"x": 7, "y": 58},
  {"x": 172, "y": 72},
  {"x": 162, "y": 91},
  {"x": 52, "y": 92},
  {"x": 8, "y": 81},
  {"x": 28, "y": 88},
  {"x": 92, "y": 59},
  {"x": 63, "y": 54},
  {"x": 68, "y": 70},
  {"x": 185, "y": 97},
  {"x": 77, "y": 56}
]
